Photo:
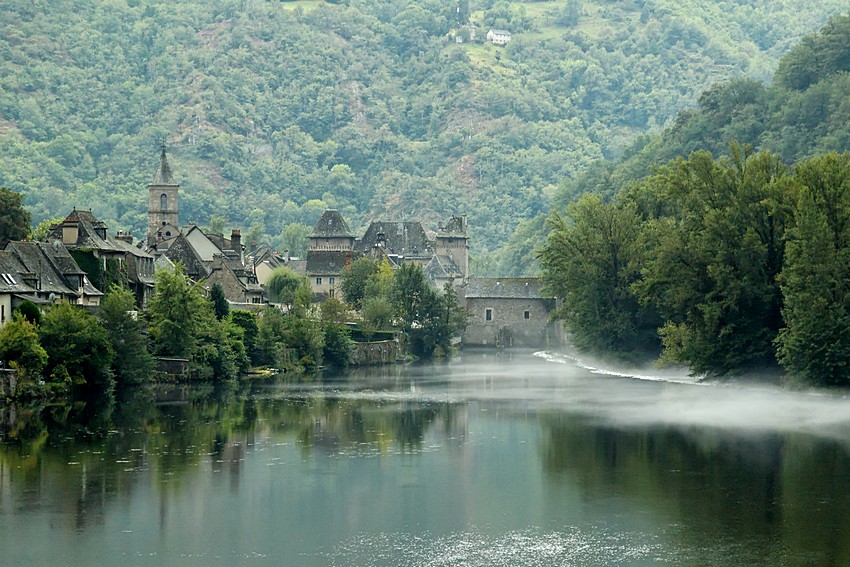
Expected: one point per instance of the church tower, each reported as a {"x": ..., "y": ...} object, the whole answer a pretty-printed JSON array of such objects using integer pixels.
[{"x": 163, "y": 222}]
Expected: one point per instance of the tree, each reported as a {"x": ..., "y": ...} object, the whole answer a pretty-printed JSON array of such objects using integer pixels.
[
  {"x": 591, "y": 263},
  {"x": 713, "y": 262},
  {"x": 293, "y": 239},
  {"x": 30, "y": 311},
  {"x": 408, "y": 294},
  {"x": 183, "y": 324},
  {"x": 14, "y": 218},
  {"x": 337, "y": 346},
  {"x": 79, "y": 349},
  {"x": 220, "y": 305},
  {"x": 20, "y": 348},
  {"x": 814, "y": 345},
  {"x": 175, "y": 313},
  {"x": 354, "y": 278},
  {"x": 442, "y": 318},
  {"x": 247, "y": 321},
  {"x": 133, "y": 364},
  {"x": 40, "y": 232},
  {"x": 282, "y": 285}
]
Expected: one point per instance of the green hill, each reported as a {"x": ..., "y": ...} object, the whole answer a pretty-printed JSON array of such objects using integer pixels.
[{"x": 273, "y": 111}]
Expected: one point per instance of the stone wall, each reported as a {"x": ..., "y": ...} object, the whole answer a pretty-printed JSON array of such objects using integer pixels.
[
  {"x": 375, "y": 353},
  {"x": 513, "y": 322},
  {"x": 8, "y": 383}
]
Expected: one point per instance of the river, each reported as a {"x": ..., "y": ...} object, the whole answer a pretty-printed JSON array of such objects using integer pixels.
[{"x": 490, "y": 459}]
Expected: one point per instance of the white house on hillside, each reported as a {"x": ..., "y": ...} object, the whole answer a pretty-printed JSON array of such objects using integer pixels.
[{"x": 498, "y": 37}]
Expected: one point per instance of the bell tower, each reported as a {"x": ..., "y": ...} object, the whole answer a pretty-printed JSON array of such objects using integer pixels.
[{"x": 163, "y": 209}]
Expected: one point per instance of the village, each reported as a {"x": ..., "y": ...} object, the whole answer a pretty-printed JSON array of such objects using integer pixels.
[{"x": 79, "y": 258}]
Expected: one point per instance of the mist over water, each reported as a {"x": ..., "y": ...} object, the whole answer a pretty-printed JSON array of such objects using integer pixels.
[
  {"x": 544, "y": 381},
  {"x": 491, "y": 459}
]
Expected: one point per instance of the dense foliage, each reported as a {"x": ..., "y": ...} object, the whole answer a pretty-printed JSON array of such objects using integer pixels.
[
  {"x": 738, "y": 263},
  {"x": 273, "y": 111},
  {"x": 14, "y": 218},
  {"x": 794, "y": 119},
  {"x": 133, "y": 363}
]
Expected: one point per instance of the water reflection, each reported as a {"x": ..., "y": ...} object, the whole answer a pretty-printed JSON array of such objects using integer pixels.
[
  {"x": 491, "y": 461},
  {"x": 783, "y": 496}
]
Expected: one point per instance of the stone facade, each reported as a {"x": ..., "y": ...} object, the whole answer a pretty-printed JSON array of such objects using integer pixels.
[{"x": 509, "y": 312}]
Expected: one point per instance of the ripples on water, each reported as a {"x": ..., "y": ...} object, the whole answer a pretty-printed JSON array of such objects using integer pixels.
[{"x": 528, "y": 548}]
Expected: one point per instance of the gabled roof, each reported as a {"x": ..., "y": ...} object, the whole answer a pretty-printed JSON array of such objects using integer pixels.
[
  {"x": 442, "y": 267},
  {"x": 163, "y": 175},
  {"x": 515, "y": 288},
  {"x": 181, "y": 250},
  {"x": 11, "y": 274},
  {"x": 402, "y": 238},
  {"x": 328, "y": 262},
  {"x": 332, "y": 225},
  {"x": 236, "y": 282},
  {"x": 264, "y": 253},
  {"x": 52, "y": 263},
  {"x": 89, "y": 231}
]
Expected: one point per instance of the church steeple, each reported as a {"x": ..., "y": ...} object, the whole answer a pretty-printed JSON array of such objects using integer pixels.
[
  {"x": 163, "y": 174},
  {"x": 163, "y": 221}
]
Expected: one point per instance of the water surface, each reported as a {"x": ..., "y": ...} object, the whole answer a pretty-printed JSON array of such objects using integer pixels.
[{"x": 511, "y": 459}]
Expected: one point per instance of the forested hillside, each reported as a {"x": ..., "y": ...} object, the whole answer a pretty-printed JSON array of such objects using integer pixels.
[{"x": 273, "y": 111}]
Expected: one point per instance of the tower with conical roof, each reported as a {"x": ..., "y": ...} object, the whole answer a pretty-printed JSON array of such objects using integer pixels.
[{"x": 163, "y": 221}]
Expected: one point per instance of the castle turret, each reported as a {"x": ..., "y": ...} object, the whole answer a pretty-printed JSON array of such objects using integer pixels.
[{"x": 453, "y": 241}]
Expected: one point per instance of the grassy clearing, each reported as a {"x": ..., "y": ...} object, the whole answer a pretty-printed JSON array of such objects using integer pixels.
[{"x": 305, "y": 5}]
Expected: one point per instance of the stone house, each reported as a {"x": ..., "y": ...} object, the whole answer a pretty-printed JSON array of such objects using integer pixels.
[
  {"x": 265, "y": 260},
  {"x": 509, "y": 312},
  {"x": 104, "y": 257},
  {"x": 42, "y": 273},
  {"x": 211, "y": 259}
]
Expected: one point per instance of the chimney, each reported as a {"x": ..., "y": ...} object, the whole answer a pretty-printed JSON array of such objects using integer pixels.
[
  {"x": 236, "y": 242},
  {"x": 70, "y": 231}
]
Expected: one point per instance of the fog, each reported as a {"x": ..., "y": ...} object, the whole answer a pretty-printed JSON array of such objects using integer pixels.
[{"x": 545, "y": 381}]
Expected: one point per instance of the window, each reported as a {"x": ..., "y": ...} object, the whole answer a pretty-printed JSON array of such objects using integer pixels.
[
  {"x": 2, "y": 313},
  {"x": 318, "y": 281},
  {"x": 526, "y": 314},
  {"x": 163, "y": 201},
  {"x": 331, "y": 292},
  {"x": 331, "y": 281},
  {"x": 488, "y": 314}
]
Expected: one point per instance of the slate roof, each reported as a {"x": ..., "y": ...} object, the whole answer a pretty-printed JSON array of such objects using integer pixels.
[
  {"x": 328, "y": 262},
  {"x": 163, "y": 175},
  {"x": 236, "y": 282},
  {"x": 88, "y": 233},
  {"x": 402, "y": 238},
  {"x": 264, "y": 253},
  {"x": 180, "y": 250},
  {"x": 332, "y": 225},
  {"x": 11, "y": 274},
  {"x": 511, "y": 288},
  {"x": 52, "y": 263},
  {"x": 442, "y": 267}
]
